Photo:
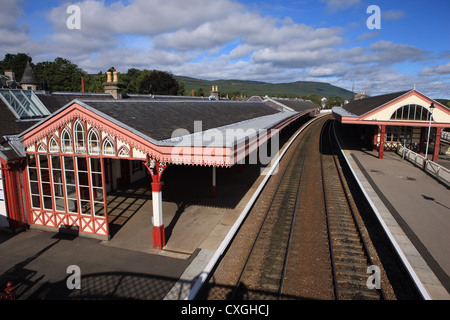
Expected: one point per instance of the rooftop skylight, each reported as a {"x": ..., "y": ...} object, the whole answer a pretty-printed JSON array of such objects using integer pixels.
[{"x": 24, "y": 103}]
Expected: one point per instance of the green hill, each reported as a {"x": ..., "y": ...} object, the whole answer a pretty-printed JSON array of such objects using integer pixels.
[{"x": 257, "y": 88}]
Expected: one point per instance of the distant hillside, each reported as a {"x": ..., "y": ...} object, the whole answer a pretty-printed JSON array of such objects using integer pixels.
[{"x": 257, "y": 88}]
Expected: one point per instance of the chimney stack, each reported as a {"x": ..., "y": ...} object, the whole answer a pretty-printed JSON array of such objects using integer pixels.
[
  {"x": 83, "y": 85},
  {"x": 215, "y": 92},
  {"x": 113, "y": 86},
  {"x": 10, "y": 74}
]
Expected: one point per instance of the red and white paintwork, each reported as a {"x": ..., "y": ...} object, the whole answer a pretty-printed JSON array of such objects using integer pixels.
[
  {"x": 381, "y": 117},
  {"x": 155, "y": 158}
]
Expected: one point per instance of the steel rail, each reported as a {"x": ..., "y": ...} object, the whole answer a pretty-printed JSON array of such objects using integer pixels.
[
  {"x": 333, "y": 266},
  {"x": 236, "y": 287},
  {"x": 358, "y": 228}
]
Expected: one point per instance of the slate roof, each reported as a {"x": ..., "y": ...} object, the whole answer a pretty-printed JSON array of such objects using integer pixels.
[
  {"x": 363, "y": 106},
  {"x": 298, "y": 105},
  {"x": 56, "y": 100},
  {"x": 28, "y": 75},
  {"x": 158, "y": 119}
]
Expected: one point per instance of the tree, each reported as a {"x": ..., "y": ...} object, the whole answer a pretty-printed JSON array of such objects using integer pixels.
[
  {"x": 200, "y": 92},
  {"x": 16, "y": 63},
  {"x": 61, "y": 75},
  {"x": 181, "y": 88},
  {"x": 157, "y": 82}
]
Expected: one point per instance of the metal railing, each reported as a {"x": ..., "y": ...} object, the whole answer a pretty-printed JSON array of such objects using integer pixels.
[{"x": 434, "y": 169}]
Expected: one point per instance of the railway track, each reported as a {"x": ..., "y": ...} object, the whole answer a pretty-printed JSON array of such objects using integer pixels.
[
  {"x": 300, "y": 240},
  {"x": 350, "y": 258}
]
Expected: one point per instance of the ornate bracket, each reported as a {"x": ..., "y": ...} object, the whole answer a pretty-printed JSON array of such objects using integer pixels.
[{"x": 156, "y": 169}]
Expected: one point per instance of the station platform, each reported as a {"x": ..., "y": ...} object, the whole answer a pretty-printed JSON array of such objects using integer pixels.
[
  {"x": 414, "y": 208},
  {"x": 193, "y": 219}
]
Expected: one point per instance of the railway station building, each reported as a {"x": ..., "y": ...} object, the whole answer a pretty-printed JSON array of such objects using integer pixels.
[
  {"x": 61, "y": 153},
  {"x": 407, "y": 118}
]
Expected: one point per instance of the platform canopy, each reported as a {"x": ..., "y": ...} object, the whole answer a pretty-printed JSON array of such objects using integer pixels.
[
  {"x": 405, "y": 108},
  {"x": 218, "y": 133}
]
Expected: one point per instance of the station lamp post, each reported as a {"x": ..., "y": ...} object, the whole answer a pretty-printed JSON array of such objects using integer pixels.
[{"x": 429, "y": 129}]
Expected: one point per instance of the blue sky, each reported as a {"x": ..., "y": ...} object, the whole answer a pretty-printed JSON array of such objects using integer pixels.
[{"x": 272, "y": 41}]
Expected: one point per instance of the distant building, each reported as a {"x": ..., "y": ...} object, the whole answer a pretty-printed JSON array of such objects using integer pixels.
[
  {"x": 401, "y": 118},
  {"x": 29, "y": 81}
]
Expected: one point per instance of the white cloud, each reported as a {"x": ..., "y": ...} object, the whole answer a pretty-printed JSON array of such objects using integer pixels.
[
  {"x": 219, "y": 39},
  {"x": 437, "y": 70}
]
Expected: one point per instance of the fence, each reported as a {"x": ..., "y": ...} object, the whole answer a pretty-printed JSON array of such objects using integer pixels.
[{"x": 437, "y": 171}]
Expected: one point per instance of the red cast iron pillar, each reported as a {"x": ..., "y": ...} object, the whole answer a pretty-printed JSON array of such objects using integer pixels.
[
  {"x": 156, "y": 170},
  {"x": 382, "y": 138},
  {"x": 437, "y": 144}
]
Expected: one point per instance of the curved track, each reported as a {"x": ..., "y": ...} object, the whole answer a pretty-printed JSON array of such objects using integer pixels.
[{"x": 302, "y": 238}]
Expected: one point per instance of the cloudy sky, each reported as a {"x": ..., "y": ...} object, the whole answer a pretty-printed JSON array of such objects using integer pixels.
[{"x": 271, "y": 41}]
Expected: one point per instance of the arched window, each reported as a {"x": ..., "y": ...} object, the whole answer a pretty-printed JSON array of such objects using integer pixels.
[
  {"x": 93, "y": 142},
  {"x": 108, "y": 148},
  {"x": 53, "y": 145},
  {"x": 412, "y": 112},
  {"x": 42, "y": 148},
  {"x": 78, "y": 132},
  {"x": 123, "y": 152},
  {"x": 66, "y": 141}
]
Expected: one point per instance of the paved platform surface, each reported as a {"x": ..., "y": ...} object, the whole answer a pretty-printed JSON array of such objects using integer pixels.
[
  {"x": 415, "y": 208},
  {"x": 127, "y": 266}
]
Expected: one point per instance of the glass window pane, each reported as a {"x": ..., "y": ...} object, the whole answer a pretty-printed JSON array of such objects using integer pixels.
[
  {"x": 56, "y": 162},
  {"x": 81, "y": 164},
  {"x": 85, "y": 207},
  {"x": 71, "y": 191},
  {"x": 108, "y": 148},
  {"x": 94, "y": 142},
  {"x": 58, "y": 190},
  {"x": 32, "y": 173},
  {"x": 45, "y": 175},
  {"x": 418, "y": 113},
  {"x": 96, "y": 180},
  {"x": 68, "y": 163},
  {"x": 47, "y": 201},
  {"x": 53, "y": 145},
  {"x": 95, "y": 165},
  {"x": 84, "y": 193},
  {"x": 98, "y": 194},
  {"x": 99, "y": 209},
  {"x": 46, "y": 189},
  {"x": 72, "y": 206},
  {"x": 412, "y": 112},
  {"x": 35, "y": 201},
  {"x": 57, "y": 176},
  {"x": 80, "y": 145},
  {"x": 70, "y": 177},
  {"x": 83, "y": 179},
  {"x": 43, "y": 162},
  {"x": 34, "y": 187},
  {"x": 59, "y": 204},
  {"x": 66, "y": 141}
]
